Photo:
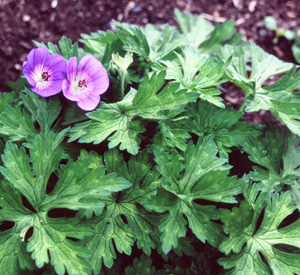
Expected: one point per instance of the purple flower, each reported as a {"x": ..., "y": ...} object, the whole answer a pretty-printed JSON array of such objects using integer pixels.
[
  {"x": 86, "y": 82},
  {"x": 44, "y": 72}
]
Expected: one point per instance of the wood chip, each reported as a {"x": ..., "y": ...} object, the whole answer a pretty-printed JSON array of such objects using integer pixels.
[
  {"x": 291, "y": 14},
  {"x": 212, "y": 18},
  {"x": 26, "y": 18},
  {"x": 54, "y": 4},
  {"x": 278, "y": 51},
  {"x": 240, "y": 21},
  {"x": 120, "y": 17},
  {"x": 238, "y": 4},
  {"x": 128, "y": 8},
  {"x": 252, "y": 5},
  {"x": 231, "y": 99},
  {"x": 25, "y": 45},
  {"x": 18, "y": 67}
]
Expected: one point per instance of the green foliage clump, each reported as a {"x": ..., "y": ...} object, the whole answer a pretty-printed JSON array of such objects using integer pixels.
[{"x": 146, "y": 183}]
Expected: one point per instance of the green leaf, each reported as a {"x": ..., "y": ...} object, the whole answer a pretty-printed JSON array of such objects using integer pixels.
[
  {"x": 196, "y": 28},
  {"x": 126, "y": 206},
  {"x": 181, "y": 188},
  {"x": 217, "y": 186},
  {"x": 289, "y": 35},
  {"x": 109, "y": 228},
  {"x": 50, "y": 236},
  {"x": 198, "y": 73},
  {"x": 45, "y": 156},
  {"x": 153, "y": 43},
  {"x": 171, "y": 132},
  {"x": 83, "y": 190},
  {"x": 102, "y": 43},
  {"x": 151, "y": 98},
  {"x": 134, "y": 38},
  {"x": 263, "y": 66},
  {"x": 96, "y": 41},
  {"x": 141, "y": 266},
  {"x": 107, "y": 120},
  {"x": 12, "y": 208},
  {"x": 43, "y": 111},
  {"x": 291, "y": 156},
  {"x": 278, "y": 157},
  {"x": 267, "y": 151},
  {"x": 66, "y": 48},
  {"x": 288, "y": 113},
  {"x": 17, "y": 86},
  {"x": 222, "y": 35},
  {"x": 95, "y": 159},
  {"x": 6, "y": 99},
  {"x": 50, "y": 46},
  {"x": 119, "y": 118},
  {"x": 295, "y": 193},
  {"x": 199, "y": 160},
  {"x": 46, "y": 153},
  {"x": 172, "y": 228},
  {"x": 16, "y": 124},
  {"x": 13, "y": 255},
  {"x": 223, "y": 124},
  {"x": 72, "y": 114},
  {"x": 17, "y": 171},
  {"x": 80, "y": 185},
  {"x": 201, "y": 262},
  {"x": 296, "y": 52},
  {"x": 201, "y": 34},
  {"x": 240, "y": 225},
  {"x": 270, "y": 22},
  {"x": 280, "y": 99}
]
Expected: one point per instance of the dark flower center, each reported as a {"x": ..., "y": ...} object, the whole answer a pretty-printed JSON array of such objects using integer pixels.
[
  {"x": 45, "y": 76},
  {"x": 82, "y": 83}
]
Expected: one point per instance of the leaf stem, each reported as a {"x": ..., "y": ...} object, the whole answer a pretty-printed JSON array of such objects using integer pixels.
[
  {"x": 122, "y": 83},
  {"x": 242, "y": 108}
]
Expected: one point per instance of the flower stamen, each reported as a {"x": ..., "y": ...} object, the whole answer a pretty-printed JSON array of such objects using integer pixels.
[
  {"x": 82, "y": 83},
  {"x": 45, "y": 76}
]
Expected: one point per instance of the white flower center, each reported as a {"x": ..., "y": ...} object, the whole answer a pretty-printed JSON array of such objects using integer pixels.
[
  {"x": 42, "y": 75},
  {"x": 79, "y": 85}
]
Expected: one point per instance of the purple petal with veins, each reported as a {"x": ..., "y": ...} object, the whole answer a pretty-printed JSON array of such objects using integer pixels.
[
  {"x": 86, "y": 82},
  {"x": 44, "y": 72}
]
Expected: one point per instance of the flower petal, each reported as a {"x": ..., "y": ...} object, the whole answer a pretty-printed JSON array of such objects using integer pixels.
[
  {"x": 72, "y": 67},
  {"x": 97, "y": 77},
  {"x": 53, "y": 89},
  {"x": 43, "y": 89},
  {"x": 38, "y": 56},
  {"x": 56, "y": 63},
  {"x": 90, "y": 66},
  {"x": 69, "y": 91},
  {"x": 89, "y": 103},
  {"x": 101, "y": 82},
  {"x": 27, "y": 71},
  {"x": 85, "y": 82}
]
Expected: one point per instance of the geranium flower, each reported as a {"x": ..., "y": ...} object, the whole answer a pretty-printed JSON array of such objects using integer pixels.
[
  {"x": 86, "y": 82},
  {"x": 44, "y": 72}
]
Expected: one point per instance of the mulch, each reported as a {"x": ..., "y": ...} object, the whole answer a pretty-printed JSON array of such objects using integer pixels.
[{"x": 22, "y": 21}]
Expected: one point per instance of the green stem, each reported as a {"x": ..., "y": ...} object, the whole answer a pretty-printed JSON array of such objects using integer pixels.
[
  {"x": 242, "y": 108},
  {"x": 122, "y": 83}
]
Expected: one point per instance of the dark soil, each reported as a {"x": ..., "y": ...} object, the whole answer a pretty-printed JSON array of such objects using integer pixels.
[{"x": 22, "y": 21}]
